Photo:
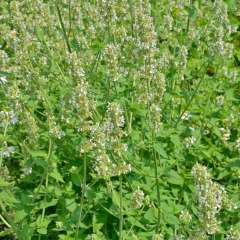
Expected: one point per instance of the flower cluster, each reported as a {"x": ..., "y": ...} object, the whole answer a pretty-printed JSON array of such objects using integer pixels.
[
  {"x": 189, "y": 141},
  {"x": 226, "y": 134},
  {"x": 111, "y": 55},
  {"x": 211, "y": 197},
  {"x": 185, "y": 217},
  {"x": 8, "y": 117},
  {"x": 6, "y": 177},
  {"x": 3, "y": 80},
  {"x": 233, "y": 234},
  {"x": 237, "y": 146},
  {"x": 54, "y": 128},
  {"x": 137, "y": 198},
  {"x": 107, "y": 138},
  {"x": 150, "y": 80},
  {"x": 6, "y": 150},
  {"x": 158, "y": 237}
]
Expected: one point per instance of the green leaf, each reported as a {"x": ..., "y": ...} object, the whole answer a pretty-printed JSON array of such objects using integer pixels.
[
  {"x": 76, "y": 179},
  {"x": 75, "y": 45},
  {"x": 24, "y": 232},
  {"x": 42, "y": 225},
  {"x": 160, "y": 150},
  {"x": 19, "y": 216},
  {"x": 171, "y": 219},
  {"x": 8, "y": 198},
  {"x": 150, "y": 215},
  {"x": 65, "y": 237},
  {"x": 135, "y": 222},
  {"x": 191, "y": 10},
  {"x": 235, "y": 164},
  {"x": 70, "y": 205},
  {"x": 56, "y": 175},
  {"x": 174, "y": 178},
  {"x": 3, "y": 183},
  {"x": 38, "y": 153},
  {"x": 40, "y": 34},
  {"x": 109, "y": 211},
  {"x": 222, "y": 175},
  {"x": 116, "y": 198},
  {"x": 45, "y": 204},
  {"x": 96, "y": 225}
]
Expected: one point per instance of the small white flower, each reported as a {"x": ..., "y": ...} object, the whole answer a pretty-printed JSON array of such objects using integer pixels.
[
  {"x": 158, "y": 236},
  {"x": 220, "y": 100},
  {"x": 225, "y": 134},
  {"x": 237, "y": 146},
  {"x": 3, "y": 80},
  {"x": 186, "y": 116},
  {"x": 189, "y": 141},
  {"x": 27, "y": 170},
  {"x": 185, "y": 216},
  {"x": 138, "y": 198},
  {"x": 7, "y": 151}
]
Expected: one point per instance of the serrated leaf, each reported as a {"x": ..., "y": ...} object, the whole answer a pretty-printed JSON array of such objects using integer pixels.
[
  {"x": 71, "y": 205},
  {"x": 171, "y": 219},
  {"x": 42, "y": 225},
  {"x": 150, "y": 215},
  {"x": 76, "y": 179},
  {"x": 40, "y": 34},
  {"x": 135, "y": 222},
  {"x": 3, "y": 183},
  {"x": 56, "y": 175},
  {"x": 45, "y": 204},
  {"x": 174, "y": 178},
  {"x": 8, "y": 198},
  {"x": 235, "y": 164},
  {"x": 160, "y": 150},
  {"x": 19, "y": 216}
]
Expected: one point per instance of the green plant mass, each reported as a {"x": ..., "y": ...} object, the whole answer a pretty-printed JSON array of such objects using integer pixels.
[{"x": 120, "y": 119}]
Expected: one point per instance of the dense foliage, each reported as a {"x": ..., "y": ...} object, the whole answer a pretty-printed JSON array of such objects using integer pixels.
[{"x": 119, "y": 119}]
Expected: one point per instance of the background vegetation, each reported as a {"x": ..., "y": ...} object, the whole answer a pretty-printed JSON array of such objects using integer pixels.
[{"x": 119, "y": 119}]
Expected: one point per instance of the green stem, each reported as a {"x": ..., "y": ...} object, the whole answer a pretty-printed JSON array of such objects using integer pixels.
[
  {"x": 63, "y": 29},
  {"x": 50, "y": 149},
  {"x": 189, "y": 101},
  {"x": 120, "y": 209},
  {"x": 5, "y": 233},
  {"x": 4, "y": 135},
  {"x": 5, "y": 221},
  {"x": 188, "y": 19},
  {"x": 45, "y": 175},
  {"x": 158, "y": 190},
  {"x": 69, "y": 18},
  {"x": 151, "y": 149},
  {"x": 82, "y": 194}
]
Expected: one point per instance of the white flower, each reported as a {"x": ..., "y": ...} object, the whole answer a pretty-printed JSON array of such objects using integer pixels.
[
  {"x": 225, "y": 134},
  {"x": 233, "y": 234},
  {"x": 158, "y": 237},
  {"x": 186, "y": 116},
  {"x": 7, "y": 151},
  {"x": 189, "y": 141},
  {"x": 185, "y": 216},
  {"x": 237, "y": 146},
  {"x": 3, "y": 80},
  {"x": 138, "y": 198},
  {"x": 211, "y": 196},
  {"x": 220, "y": 100}
]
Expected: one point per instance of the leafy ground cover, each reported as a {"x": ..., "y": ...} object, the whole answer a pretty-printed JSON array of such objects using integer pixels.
[{"x": 119, "y": 119}]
